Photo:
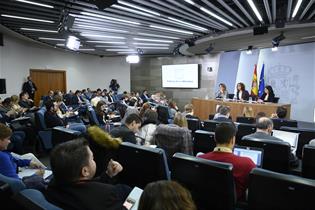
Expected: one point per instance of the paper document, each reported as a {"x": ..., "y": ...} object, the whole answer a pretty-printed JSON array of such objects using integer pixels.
[{"x": 30, "y": 171}]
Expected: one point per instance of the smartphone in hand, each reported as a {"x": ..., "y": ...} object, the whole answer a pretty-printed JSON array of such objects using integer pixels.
[{"x": 129, "y": 203}]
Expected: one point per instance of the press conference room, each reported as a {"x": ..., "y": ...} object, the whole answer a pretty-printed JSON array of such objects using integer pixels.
[{"x": 157, "y": 104}]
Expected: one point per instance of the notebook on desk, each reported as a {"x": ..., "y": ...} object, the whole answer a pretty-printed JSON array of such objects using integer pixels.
[
  {"x": 290, "y": 137},
  {"x": 255, "y": 154}
]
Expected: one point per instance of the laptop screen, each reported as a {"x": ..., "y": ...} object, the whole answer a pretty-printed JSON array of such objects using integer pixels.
[
  {"x": 255, "y": 154},
  {"x": 290, "y": 137}
]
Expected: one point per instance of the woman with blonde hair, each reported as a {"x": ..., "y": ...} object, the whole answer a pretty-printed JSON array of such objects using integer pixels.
[
  {"x": 248, "y": 111},
  {"x": 180, "y": 120},
  {"x": 15, "y": 105}
]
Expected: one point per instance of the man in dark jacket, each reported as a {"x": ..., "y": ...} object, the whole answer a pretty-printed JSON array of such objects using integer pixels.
[{"x": 29, "y": 87}]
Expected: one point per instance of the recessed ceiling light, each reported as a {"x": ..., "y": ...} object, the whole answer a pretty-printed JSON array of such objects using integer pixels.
[
  {"x": 35, "y": 3},
  {"x": 216, "y": 16},
  {"x": 51, "y": 39},
  {"x": 187, "y": 24},
  {"x": 153, "y": 40},
  {"x": 86, "y": 49},
  {"x": 106, "y": 42},
  {"x": 155, "y": 48},
  {"x": 190, "y": 2},
  {"x": 139, "y": 8},
  {"x": 134, "y": 52},
  {"x": 157, "y": 35},
  {"x": 254, "y": 8},
  {"x": 120, "y": 50},
  {"x": 100, "y": 28},
  {"x": 108, "y": 46},
  {"x": 62, "y": 45},
  {"x": 308, "y": 37},
  {"x": 150, "y": 44},
  {"x": 38, "y": 30},
  {"x": 132, "y": 10},
  {"x": 109, "y": 18},
  {"x": 296, "y": 9},
  {"x": 171, "y": 29},
  {"x": 26, "y": 18},
  {"x": 102, "y": 36}
]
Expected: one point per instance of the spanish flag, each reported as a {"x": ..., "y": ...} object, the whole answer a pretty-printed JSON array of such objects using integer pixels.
[{"x": 254, "y": 91}]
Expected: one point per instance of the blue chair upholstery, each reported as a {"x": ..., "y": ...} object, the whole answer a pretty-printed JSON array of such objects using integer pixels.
[
  {"x": 43, "y": 132},
  {"x": 16, "y": 185},
  {"x": 32, "y": 199}
]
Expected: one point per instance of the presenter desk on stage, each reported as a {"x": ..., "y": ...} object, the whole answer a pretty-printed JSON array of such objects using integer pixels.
[{"x": 204, "y": 107}]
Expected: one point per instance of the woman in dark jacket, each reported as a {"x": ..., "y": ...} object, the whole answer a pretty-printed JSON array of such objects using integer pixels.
[{"x": 268, "y": 95}]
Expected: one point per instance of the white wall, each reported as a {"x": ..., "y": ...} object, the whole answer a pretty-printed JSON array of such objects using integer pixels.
[
  {"x": 291, "y": 73},
  {"x": 17, "y": 57}
]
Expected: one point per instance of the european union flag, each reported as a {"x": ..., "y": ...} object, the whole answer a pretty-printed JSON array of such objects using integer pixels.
[{"x": 261, "y": 82}]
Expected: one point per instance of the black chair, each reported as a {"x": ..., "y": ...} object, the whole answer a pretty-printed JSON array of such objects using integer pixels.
[
  {"x": 163, "y": 114},
  {"x": 210, "y": 125},
  {"x": 277, "y": 123},
  {"x": 193, "y": 124},
  {"x": 276, "y": 100},
  {"x": 308, "y": 163},
  {"x": 244, "y": 129},
  {"x": 270, "y": 190},
  {"x": 305, "y": 136},
  {"x": 142, "y": 165},
  {"x": 231, "y": 96},
  {"x": 211, "y": 116},
  {"x": 276, "y": 153},
  {"x": 248, "y": 120},
  {"x": 203, "y": 141},
  {"x": 61, "y": 134},
  {"x": 211, "y": 183}
]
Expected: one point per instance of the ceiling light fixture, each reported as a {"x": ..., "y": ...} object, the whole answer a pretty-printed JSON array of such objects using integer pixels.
[
  {"x": 26, "y": 18},
  {"x": 249, "y": 50},
  {"x": 171, "y": 29},
  {"x": 102, "y": 36},
  {"x": 51, "y": 39},
  {"x": 108, "y": 46},
  {"x": 106, "y": 42},
  {"x": 254, "y": 8},
  {"x": 297, "y": 7},
  {"x": 35, "y": 3},
  {"x": 187, "y": 24},
  {"x": 154, "y": 48},
  {"x": 139, "y": 8},
  {"x": 120, "y": 50},
  {"x": 133, "y": 58},
  {"x": 134, "y": 52},
  {"x": 274, "y": 48},
  {"x": 216, "y": 16},
  {"x": 190, "y": 2},
  {"x": 100, "y": 28},
  {"x": 150, "y": 44},
  {"x": 87, "y": 49},
  {"x": 109, "y": 18},
  {"x": 38, "y": 30},
  {"x": 73, "y": 43},
  {"x": 132, "y": 10},
  {"x": 156, "y": 35},
  {"x": 153, "y": 40},
  {"x": 308, "y": 37}
]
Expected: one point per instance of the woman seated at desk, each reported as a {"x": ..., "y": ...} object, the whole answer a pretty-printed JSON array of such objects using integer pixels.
[
  {"x": 268, "y": 95},
  {"x": 222, "y": 92},
  {"x": 241, "y": 93}
]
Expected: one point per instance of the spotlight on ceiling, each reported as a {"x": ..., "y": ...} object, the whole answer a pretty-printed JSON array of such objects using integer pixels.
[
  {"x": 133, "y": 58},
  {"x": 249, "y": 50},
  {"x": 103, "y": 4},
  {"x": 140, "y": 51},
  {"x": 73, "y": 43},
  {"x": 209, "y": 49},
  {"x": 277, "y": 39}
]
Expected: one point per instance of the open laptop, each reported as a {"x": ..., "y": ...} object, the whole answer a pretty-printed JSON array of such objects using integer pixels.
[
  {"x": 290, "y": 137},
  {"x": 255, "y": 154}
]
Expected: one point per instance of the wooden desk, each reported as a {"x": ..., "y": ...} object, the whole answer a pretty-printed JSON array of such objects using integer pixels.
[{"x": 203, "y": 107}]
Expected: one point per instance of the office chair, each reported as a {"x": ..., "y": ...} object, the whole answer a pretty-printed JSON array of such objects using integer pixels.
[
  {"x": 248, "y": 120},
  {"x": 270, "y": 190},
  {"x": 211, "y": 183},
  {"x": 210, "y": 125},
  {"x": 193, "y": 124},
  {"x": 203, "y": 141},
  {"x": 244, "y": 129},
  {"x": 276, "y": 153},
  {"x": 277, "y": 123},
  {"x": 142, "y": 165},
  {"x": 308, "y": 163}
]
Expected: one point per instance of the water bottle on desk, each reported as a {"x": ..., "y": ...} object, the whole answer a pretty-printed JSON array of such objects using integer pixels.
[{"x": 250, "y": 100}]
